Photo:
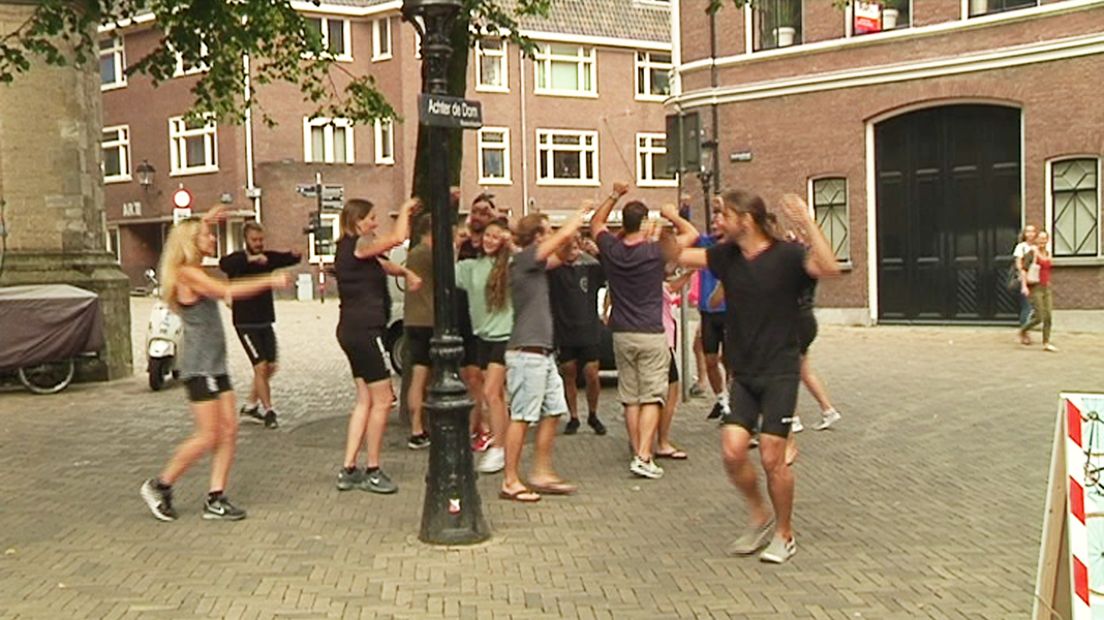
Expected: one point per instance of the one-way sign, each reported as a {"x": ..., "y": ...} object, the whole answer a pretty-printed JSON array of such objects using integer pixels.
[{"x": 442, "y": 111}]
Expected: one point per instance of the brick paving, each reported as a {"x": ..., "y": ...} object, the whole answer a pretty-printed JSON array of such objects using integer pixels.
[{"x": 925, "y": 503}]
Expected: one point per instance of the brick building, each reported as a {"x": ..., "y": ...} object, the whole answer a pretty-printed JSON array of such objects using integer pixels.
[
  {"x": 560, "y": 128},
  {"x": 924, "y": 133}
]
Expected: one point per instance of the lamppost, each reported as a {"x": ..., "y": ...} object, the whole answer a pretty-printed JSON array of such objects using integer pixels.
[
  {"x": 452, "y": 513},
  {"x": 145, "y": 174}
]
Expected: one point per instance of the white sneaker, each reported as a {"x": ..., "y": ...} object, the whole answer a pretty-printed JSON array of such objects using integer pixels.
[
  {"x": 829, "y": 418},
  {"x": 646, "y": 469},
  {"x": 779, "y": 550},
  {"x": 796, "y": 425},
  {"x": 493, "y": 461}
]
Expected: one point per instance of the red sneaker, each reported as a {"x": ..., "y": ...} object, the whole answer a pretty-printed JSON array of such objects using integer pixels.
[{"x": 480, "y": 442}]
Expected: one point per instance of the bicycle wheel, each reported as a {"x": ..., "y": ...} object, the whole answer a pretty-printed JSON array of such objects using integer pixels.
[{"x": 47, "y": 378}]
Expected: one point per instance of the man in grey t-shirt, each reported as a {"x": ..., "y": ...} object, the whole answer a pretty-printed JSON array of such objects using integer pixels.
[
  {"x": 532, "y": 377},
  {"x": 635, "y": 269}
]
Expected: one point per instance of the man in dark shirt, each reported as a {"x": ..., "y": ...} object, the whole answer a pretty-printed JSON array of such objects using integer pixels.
[
  {"x": 253, "y": 318},
  {"x": 763, "y": 279},
  {"x": 574, "y": 290}
]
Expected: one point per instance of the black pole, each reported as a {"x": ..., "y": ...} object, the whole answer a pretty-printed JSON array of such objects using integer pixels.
[{"x": 452, "y": 513}]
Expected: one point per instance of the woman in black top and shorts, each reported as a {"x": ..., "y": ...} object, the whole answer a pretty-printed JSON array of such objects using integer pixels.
[
  {"x": 362, "y": 270},
  {"x": 192, "y": 293}
]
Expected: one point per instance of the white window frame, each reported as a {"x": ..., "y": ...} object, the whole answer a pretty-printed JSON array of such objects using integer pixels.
[
  {"x": 643, "y": 91},
  {"x": 966, "y": 10},
  {"x": 378, "y": 53},
  {"x": 550, "y": 134},
  {"x": 1097, "y": 258},
  {"x": 178, "y": 133},
  {"x": 113, "y": 242},
  {"x": 388, "y": 158},
  {"x": 505, "y": 147},
  {"x": 503, "y": 63},
  {"x": 181, "y": 71},
  {"x": 118, "y": 56},
  {"x": 324, "y": 32},
  {"x": 328, "y": 155},
  {"x": 849, "y": 23},
  {"x": 811, "y": 202},
  {"x": 121, "y": 142},
  {"x": 334, "y": 221},
  {"x": 749, "y": 32},
  {"x": 645, "y": 176},
  {"x": 586, "y": 60}
]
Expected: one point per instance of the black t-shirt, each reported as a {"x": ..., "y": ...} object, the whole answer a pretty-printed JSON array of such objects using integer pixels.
[
  {"x": 362, "y": 287},
  {"x": 255, "y": 311},
  {"x": 463, "y": 315},
  {"x": 762, "y": 294},
  {"x": 573, "y": 290}
]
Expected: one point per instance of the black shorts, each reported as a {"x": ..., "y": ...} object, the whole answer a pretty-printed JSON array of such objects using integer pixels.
[
  {"x": 366, "y": 353},
  {"x": 491, "y": 353},
  {"x": 582, "y": 355},
  {"x": 259, "y": 343},
  {"x": 713, "y": 332},
  {"x": 772, "y": 396},
  {"x": 672, "y": 370},
  {"x": 471, "y": 351},
  {"x": 206, "y": 388},
  {"x": 417, "y": 342},
  {"x": 806, "y": 331}
]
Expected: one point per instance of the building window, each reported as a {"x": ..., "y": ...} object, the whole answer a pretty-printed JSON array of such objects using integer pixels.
[
  {"x": 985, "y": 7},
  {"x": 385, "y": 141},
  {"x": 776, "y": 23},
  {"x": 490, "y": 66},
  {"x": 327, "y": 238},
  {"x": 193, "y": 146},
  {"x": 566, "y": 70},
  {"x": 567, "y": 157},
  {"x": 328, "y": 141},
  {"x": 185, "y": 67},
  {"x": 112, "y": 64},
  {"x": 651, "y": 161},
  {"x": 653, "y": 75},
  {"x": 335, "y": 34},
  {"x": 870, "y": 17},
  {"x": 381, "y": 39},
  {"x": 1075, "y": 205},
  {"x": 830, "y": 211},
  {"x": 113, "y": 243},
  {"x": 116, "y": 154},
  {"x": 494, "y": 156}
]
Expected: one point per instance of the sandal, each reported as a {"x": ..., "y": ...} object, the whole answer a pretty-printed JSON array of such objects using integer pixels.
[
  {"x": 554, "y": 488},
  {"x": 674, "y": 455},
  {"x": 523, "y": 495}
]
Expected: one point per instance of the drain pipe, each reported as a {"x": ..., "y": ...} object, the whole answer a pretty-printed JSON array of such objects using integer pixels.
[
  {"x": 524, "y": 137},
  {"x": 251, "y": 190}
]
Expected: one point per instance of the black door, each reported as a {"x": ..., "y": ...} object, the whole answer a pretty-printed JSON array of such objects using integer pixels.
[{"x": 948, "y": 207}]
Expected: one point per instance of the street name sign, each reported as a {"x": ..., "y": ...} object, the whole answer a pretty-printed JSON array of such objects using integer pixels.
[{"x": 455, "y": 112}]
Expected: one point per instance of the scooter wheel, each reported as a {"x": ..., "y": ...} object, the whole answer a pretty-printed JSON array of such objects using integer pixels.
[{"x": 160, "y": 370}]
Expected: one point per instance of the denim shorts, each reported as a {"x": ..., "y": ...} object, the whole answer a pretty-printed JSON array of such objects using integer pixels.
[{"x": 535, "y": 387}]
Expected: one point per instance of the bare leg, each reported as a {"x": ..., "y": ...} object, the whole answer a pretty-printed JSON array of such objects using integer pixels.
[
  {"x": 632, "y": 426},
  {"x": 571, "y": 391},
  {"x": 649, "y": 424},
  {"x": 473, "y": 378},
  {"x": 734, "y": 450},
  {"x": 201, "y": 442},
  {"x": 379, "y": 407},
  {"x": 814, "y": 385},
  {"x": 358, "y": 423},
  {"x": 494, "y": 384},
  {"x": 699, "y": 359},
  {"x": 262, "y": 377},
  {"x": 226, "y": 445},
  {"x": 514, "y": 440},
  {"x": 664, "y": 442},
  {"x": 716, "y": 375},
  {"x": 542, "y": 472},
  {"x": 415, "y": 399},
  {"x": 780, "y": 481},
  {"x": 593, "y": 386},
  {"x": 254, "y": 390}
]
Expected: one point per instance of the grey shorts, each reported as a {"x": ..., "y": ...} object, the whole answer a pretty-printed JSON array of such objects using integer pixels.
[
  {"x": 534, "y": 385},
  {"x": 643, "y": 361}
]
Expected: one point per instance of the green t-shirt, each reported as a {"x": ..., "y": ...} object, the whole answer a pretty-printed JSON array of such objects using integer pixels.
[{"x": 472, "y": 275}]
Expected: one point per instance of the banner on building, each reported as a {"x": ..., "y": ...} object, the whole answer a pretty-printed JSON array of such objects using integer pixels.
[{"x": 868, "y": 17}]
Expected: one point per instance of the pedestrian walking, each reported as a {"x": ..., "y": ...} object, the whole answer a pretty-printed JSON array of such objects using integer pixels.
[
  {"x": 195, "y": 295},
  {"x": 763, "y": 278},
  {"x": 1036, "y": 286},
  {"x": 418, "y": 329},
  {"x": 532, "y": 375},
  {"x": 470, "y": 246},
  {"x": 362, "y": 270},
  {"x": 1025, "y": 246},
  {"x": 713, "y": 324},
  {"x": 254, "y": 317},
  {"x": 635, "y": 268},
  {"x": 672, "y": 289},
  {"x": 486, "y": 280},
  {"x": 573, "y": 286}
]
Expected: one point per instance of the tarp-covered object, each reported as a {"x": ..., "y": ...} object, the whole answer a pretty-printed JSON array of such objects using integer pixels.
[{"x": 46, "y": 323}]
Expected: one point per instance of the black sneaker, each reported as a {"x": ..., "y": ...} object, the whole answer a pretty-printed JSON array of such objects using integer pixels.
[
  {"x": 270, "y": 419},
  {"x": 220, "y": 509},
  {"x": 252, "y": 413},
  {"x": 716, "y": 412},
  {"x": 418, "y": 442},
  {"x": 596, "y": 424},
  {"x": 158, "y": 500},
  {"x": 572, "y": 426},
  {"x": 378, "y": 482},
  {"x": 347, "y": 480}
]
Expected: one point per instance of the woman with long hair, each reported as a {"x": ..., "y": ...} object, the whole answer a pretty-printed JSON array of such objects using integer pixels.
[
  {"x": 486, "y": 279},
  {"x": 193, "y": 294},
  {"x": 1036, "y": 286},
  {"x": 1024, "y": 247},
  {"x": 362, "y": 271}
]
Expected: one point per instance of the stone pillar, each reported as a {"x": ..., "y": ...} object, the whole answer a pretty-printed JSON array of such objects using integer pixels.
[{"x": 52, "y": 184}]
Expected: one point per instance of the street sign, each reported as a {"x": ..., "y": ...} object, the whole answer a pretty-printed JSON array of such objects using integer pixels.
[
  {"x": 181, "y": 214},
  {"x": 333, "y": 197},
  {"x": 307, "y": 190},
  {"x": 182, "y": 198},
  {"x": 442, "y": 111}
]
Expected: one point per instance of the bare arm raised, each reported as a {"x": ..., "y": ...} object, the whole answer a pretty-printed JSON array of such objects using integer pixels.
[
  {"x": 598, "y": 222},
  {"x": 687, "y": 235},
  {"x": 821, "y": 261},
  {"x": 547, "y": 249},
  {"x": 398, "y": 234}
]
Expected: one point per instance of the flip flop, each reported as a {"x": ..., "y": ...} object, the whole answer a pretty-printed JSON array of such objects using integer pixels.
[
  {"x": 677, "y": 455},
  {"x": 555, "y": 488},
  {"x": 525, "y": 496}
]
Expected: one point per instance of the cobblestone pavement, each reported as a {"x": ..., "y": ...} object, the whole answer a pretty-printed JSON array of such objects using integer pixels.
[{"x": 925, "y": 503}]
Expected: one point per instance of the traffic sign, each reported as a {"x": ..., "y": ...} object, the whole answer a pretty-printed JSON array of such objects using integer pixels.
[
  {"x": 181, "y": 214},
  {"x": 307, "y": 190},
  {"x": 442, "y": 111},
  {"x": 182, "y": 198},
  {"x": 335, "y": 192}
]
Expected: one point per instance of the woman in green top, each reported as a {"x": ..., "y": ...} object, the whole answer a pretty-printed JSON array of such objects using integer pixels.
[{"x": 486, "y": 279}]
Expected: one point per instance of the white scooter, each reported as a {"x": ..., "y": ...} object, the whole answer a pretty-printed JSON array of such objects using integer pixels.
[{"x": 162, "y": 338}]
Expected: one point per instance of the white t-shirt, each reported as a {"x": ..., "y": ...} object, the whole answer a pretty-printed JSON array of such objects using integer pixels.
[{"x": 1022, "y": 248}]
